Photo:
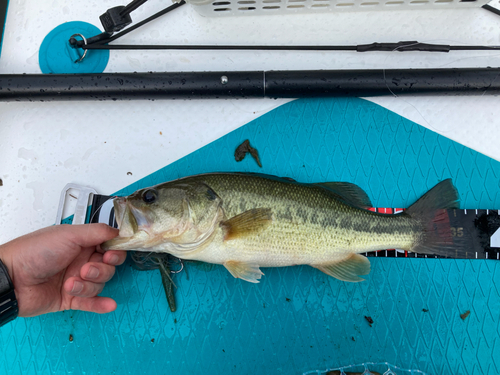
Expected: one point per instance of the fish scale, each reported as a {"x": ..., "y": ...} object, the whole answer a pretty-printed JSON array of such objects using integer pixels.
[{"x": 294, "y": 238}]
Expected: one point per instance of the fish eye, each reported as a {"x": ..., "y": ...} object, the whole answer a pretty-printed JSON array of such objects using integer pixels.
[{"x": 149, "y": 196}]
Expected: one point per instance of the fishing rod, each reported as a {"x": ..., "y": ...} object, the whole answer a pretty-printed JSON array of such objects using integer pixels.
[
  {"x": 246, "y": 84},
  {"x": 115, "y": 19},
  {"x": 251, "y": 84}
]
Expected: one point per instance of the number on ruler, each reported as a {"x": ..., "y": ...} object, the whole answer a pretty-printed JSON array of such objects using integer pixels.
[{"x": 457, "y": 232}]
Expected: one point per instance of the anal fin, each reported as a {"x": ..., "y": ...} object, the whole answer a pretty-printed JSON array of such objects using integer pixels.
[
  {"x": 348, "y": 269},
  {"x": 246, "y": 271}
]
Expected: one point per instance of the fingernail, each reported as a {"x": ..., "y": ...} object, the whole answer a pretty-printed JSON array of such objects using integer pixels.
[
  {"x": 77, "y": 287},
  {"x": 113, "y": 259},
  {"x": 92, "y": 273}
]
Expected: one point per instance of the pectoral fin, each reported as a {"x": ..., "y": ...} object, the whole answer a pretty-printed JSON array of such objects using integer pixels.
[
  {"x": 249, "y": 222},
  {"x": 348, "y": 269},
  {"x": 246, "y": 271}
]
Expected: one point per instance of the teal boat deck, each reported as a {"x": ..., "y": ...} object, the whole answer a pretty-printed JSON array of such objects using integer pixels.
[{"x": 297, "y": 320}]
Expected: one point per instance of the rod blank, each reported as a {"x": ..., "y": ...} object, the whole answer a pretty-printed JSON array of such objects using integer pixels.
[{"x": 257, "y": 84}]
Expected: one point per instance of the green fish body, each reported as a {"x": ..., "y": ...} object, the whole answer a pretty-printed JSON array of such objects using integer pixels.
[{"x": 248, "y": 221}]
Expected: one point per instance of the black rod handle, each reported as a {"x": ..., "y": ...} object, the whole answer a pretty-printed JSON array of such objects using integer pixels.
[
  {"x": 129, "y": 86},
  {"x": 259, "y": 84}
]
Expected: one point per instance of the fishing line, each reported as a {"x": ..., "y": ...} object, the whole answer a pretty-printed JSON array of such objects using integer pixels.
[
  {"x": 375, "y": 47},
  {"x": 143, "y": 258},
  {"x": 140, "y": 257},
  {"x": 104, "y": 38},
  {"x": 468, "y": 58},
  {"x": 497, "y": 48},
  {"x": 396, "y": 96},
  {"x": 102, "y": 42},
  {"x": 93, "y": 215},
  {"x": 98, "y": 208},
  {"x": 156, "y": 259},
  {"x": 493, "y": 80},
  {"x": 439, "y": 66}
]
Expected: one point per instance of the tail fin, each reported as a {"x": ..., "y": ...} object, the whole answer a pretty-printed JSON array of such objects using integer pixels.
[{"x": 430, "y": 212}]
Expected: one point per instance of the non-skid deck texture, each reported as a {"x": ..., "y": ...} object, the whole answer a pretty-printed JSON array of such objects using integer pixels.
[{"x": 297, "y": 319}]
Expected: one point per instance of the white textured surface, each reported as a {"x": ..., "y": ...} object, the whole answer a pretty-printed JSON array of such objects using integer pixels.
[{"x": 43, "y": 146}]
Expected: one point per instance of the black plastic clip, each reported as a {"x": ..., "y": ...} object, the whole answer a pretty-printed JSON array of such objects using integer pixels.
[{"x": 114, "y": 19}]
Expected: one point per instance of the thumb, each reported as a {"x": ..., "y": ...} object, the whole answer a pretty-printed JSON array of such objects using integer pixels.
[{"x": 86, "y": 235}]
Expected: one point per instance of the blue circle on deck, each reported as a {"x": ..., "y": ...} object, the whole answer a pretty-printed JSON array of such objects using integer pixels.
[{"x": 58, "y": 56}]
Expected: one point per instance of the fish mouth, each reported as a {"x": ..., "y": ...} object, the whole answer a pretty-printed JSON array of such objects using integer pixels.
[
  {"x": 126, "y": 222},
  {"x": 119, "y": 205},
  {"x": 132, "y": 225},
  {"x": 130, "y": 219}
]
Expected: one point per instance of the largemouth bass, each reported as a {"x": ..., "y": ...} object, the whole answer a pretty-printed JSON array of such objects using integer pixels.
[{"x": 248, "y": 221}]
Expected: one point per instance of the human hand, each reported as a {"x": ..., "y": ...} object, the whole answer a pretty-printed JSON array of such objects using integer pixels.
[{"x": 62, "y": 268}]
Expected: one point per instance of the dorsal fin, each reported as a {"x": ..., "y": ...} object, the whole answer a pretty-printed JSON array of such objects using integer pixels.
[{"x": 351, "y": 194}]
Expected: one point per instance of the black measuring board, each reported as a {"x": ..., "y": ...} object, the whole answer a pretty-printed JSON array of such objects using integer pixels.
[
  {"x": 3, "y": 16},
  {"x": 478, "y": 228},
  {"x": 102, "y": 210},
  {"x": 474, "y": 229},
  {"x": 481, "y": 226}
]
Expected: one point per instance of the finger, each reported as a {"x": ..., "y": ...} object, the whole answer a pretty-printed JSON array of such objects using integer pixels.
[
  {"x": 77, "y": 287},
  {"x": 114, "y": 257},
  {"x": 87, "y": 235},
  {"x": 97, "y": 272},
  {"x": 99, "y": 305},
  {"x": 96, "y": 257}
]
